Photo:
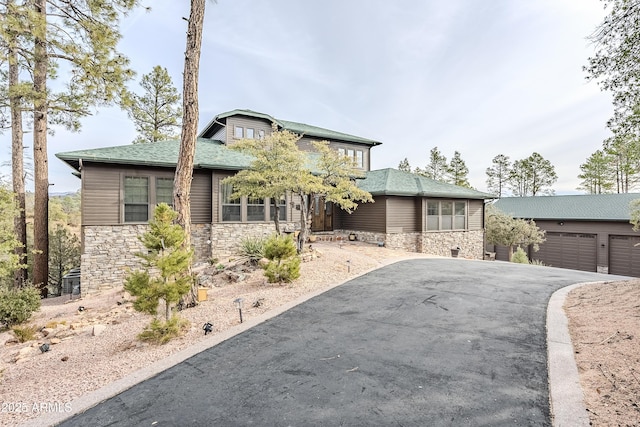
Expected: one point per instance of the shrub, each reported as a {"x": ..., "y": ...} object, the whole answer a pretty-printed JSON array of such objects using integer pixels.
[
  {"x": 17, "y": 305},
  {"x": 520, "y": 256},
  {"x": 253, "y": 248},
  {"x": 25, "y": 334},
  {"x": 279, "y": 247},
  {"x": 537, "y": 262},
  {"x": 284, "y": 264},
  {"x": 159, "y": 332},
  {"x": 287, "y": 270}
]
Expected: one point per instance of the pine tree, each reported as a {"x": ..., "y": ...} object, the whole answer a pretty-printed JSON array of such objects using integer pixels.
[
  {"x": 44, "y": 34},
  {"x": 168, "y": 257},
  {"x": 184, "y": 168},
  {"x": 404, "y": 165},
  {"x": 157, "y": 113},
  {"x": 597, "y": 175},
  {"x": 437, "y": 166},
  {"x": 498, "y": 175},
  {"x": 457, "y": 171}
]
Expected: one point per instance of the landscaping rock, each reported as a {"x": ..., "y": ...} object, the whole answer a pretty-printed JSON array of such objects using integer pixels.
[{"x": 98, "y": 329}]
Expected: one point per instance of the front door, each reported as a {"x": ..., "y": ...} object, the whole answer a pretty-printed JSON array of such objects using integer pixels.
[{"x": 322, "y": 215}]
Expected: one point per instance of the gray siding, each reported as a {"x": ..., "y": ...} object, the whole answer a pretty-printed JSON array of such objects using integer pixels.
[
  {"x": 306, "y": 144},
  {"x": 476, "y": 215},
  {"x": 245, "y": 122},
  {"x": 367, "y": 217},
  {"x": 201, "y": 197},
  {"x": 100, "y": 195},
  {"x": 403, "y": 214}
]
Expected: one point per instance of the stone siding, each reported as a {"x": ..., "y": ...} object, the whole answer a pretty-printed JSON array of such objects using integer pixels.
[
  {"x": 226, "y": 237},
  {"x": 433, "y": 243},
  {"x": 441, "y": 243},
  {"x": 109, "y": 253}
]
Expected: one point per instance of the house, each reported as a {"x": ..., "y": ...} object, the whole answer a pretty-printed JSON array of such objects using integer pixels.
[
  {"x": 121, "y": 185},
  {"x": 583, "y": 232}
]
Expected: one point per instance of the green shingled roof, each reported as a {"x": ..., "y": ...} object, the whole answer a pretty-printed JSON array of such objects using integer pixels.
[
  {"x": 209, "y": 154},
  {"x": 393, "y": 182},
  {"x": 295, "y": 127},
  {"x": 588, "y": 207}
]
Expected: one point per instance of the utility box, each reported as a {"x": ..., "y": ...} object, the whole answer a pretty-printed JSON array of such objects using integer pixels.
[
  {"x": 202, "y": 294},
  {"x": 71, "y": 282}
]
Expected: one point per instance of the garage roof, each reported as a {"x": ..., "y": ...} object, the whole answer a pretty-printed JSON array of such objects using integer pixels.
[{"x": 586, "y": 207}]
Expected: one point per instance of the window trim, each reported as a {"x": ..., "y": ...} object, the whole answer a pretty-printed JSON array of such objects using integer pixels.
[
  {"x": 243, "y": 202},
  {"x": 440, "y": 216}
]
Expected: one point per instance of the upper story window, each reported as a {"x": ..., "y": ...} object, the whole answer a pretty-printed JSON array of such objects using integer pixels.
[
  {"x": 136, "y": 199},
  {"x": 238, "y": 132},
  {"x": 356, "y": 155},
  {"x": 250, "y": 133},
  {"x": 446, "y": 215}
]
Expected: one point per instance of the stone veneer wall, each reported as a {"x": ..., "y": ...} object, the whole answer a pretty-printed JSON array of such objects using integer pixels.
[
  {"x": 433, "y": 243},
  {"x": 226, "y": 237},
  {"x": 109, "y": 253}
]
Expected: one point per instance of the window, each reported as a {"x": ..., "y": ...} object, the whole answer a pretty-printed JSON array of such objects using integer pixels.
[
  {"x": 136, "y": 199},
  {"x": 261, "y": 134},
  {"x": 255, "y": 209},
  {"x": 356, "y": 155},
  {"x": 164, "y": 191},
  {"x": 230, "y": 208},
  {"x": 433, "y": 216},
  {"x": 446, "y": 215},
  {"x": 459, "y": 219},
  {"x": 250, "y": 133},
  {"x": 238, "y": 132},
  {"x": 282, "y": 203}
]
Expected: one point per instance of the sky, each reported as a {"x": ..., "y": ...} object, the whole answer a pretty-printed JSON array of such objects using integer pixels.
[{"x": 480, "y": 77}]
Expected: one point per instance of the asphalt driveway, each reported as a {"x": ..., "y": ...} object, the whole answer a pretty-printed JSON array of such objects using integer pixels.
[{"x": 420, "y": 342}]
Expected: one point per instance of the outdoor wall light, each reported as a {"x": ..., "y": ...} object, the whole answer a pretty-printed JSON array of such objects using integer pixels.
[
  {"x": 561, "y": 223},
  {"x": 238, "y": 303},
  {"x": 208, "y": 327}
]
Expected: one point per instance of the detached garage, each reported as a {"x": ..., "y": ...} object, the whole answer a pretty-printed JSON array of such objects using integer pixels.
[{"x": 584, "y": 232}]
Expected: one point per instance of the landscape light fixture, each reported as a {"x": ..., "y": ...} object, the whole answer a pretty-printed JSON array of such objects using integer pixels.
[
  {"x": 348, "y": 266},
  {"x": 44, "y": 348},
  {"x": 208, "y": 327},
  {"x": 238, "y": 303}
]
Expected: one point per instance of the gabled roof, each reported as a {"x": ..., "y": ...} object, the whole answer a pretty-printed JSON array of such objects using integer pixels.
[
  {"x": 210, "y": 154},
  {"x": 295, "y": 127},
  {"x": 587, "y": 207},
  {"x": 392, "y": 182}
]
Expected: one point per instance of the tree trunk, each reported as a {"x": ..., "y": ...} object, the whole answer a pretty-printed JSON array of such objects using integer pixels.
[
  {"x": 17, "y": 167},
  {"x": 276, "y": 213},
  {"x": 40, "y": 161},
  {"x": 306, "y": 218},
  {"x": 184, "y": 168}
]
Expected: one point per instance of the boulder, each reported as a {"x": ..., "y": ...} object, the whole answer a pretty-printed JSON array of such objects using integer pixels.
[{"x": 55, "y": 340}]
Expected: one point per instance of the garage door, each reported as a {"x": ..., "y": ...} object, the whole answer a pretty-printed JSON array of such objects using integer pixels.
[
  {"x": 624, "y": 255},
  {"x": 568, "y": 250}
]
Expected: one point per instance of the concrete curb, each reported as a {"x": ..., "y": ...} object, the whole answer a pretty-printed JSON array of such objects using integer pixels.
[
  {"x": 565, "y": 393},
  {"x": 94, "y": 398}
]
